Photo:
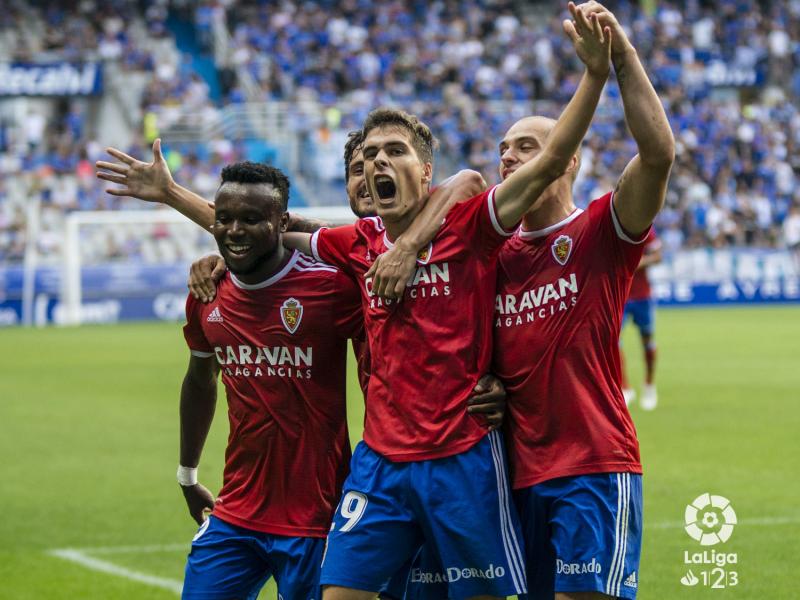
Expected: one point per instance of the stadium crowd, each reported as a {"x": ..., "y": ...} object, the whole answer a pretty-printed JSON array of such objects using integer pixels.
[
  {"x": 728, "y": 73},
  {"x": 51, "y": 158},
  {"x": 461, "y": 65}
]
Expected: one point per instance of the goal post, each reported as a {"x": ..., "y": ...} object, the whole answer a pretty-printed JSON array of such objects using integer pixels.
[{"x": 74, "y": 259}]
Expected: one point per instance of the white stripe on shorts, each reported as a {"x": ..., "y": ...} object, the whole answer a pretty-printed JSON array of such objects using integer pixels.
[
  {"x": 506, "y": 526},
  {"x": 617, "y": 523},
  {"x": 626, "y": 480},
  {"x": 511, "y": 546},
  {"x": 617, "y": 568},
  {"x": 503, "y": 532}
]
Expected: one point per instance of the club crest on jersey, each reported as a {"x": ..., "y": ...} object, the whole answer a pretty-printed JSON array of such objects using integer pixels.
[
  {"x": 291, "y": 314},
  {"x": 562, "y": 248},
  {"x": 424, "y": 256}
]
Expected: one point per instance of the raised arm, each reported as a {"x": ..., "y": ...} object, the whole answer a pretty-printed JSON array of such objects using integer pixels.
[
  {"x": 198, "y": 401},
  {"x": 393, "y": 269},
  {"x": 153, "y": 182},
  {"x": 643, "y": 185},
  {"x": 518, "y": 193}
]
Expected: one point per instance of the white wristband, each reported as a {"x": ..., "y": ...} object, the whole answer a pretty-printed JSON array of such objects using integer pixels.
[{"x": 187, "y": 475}]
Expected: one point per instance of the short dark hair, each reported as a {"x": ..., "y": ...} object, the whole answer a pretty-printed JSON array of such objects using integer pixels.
[
  {"x": 421, "y": 137},
  {"x": 251, "y": 172},
  {"x": 354, "y": 141}
]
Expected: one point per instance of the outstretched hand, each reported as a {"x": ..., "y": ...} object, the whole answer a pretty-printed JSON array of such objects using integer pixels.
[
  {"x": 592, "y": 42},
  {"x": 146, "y": 181}
]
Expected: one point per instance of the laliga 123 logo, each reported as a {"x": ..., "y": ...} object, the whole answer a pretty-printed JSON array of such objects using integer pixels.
[{"x": 710, "y": 519}]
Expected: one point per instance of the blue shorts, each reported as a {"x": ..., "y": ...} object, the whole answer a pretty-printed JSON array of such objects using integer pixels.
[
  {"x": 459, "y": 505},
  {"x": 227, "y": 562},
  {"x": 583, "y": 534},
  {"x": 643, "y": 313}
]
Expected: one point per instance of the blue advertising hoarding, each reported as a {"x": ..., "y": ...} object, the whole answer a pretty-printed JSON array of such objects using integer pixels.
[
  {"x": 110, "y": 293},
  {"x": 52, "y": 79},
  {"x": 733, "y": 276}
]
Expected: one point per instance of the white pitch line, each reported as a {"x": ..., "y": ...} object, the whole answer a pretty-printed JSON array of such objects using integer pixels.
[
  {"x": 147, "y": 549},
  {"x": 95, "y": 564}
]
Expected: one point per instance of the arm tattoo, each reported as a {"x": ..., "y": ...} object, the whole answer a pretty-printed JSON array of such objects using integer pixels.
[
  {"x": 620, "y": 68},
  {"x": 303, "y": 225}
]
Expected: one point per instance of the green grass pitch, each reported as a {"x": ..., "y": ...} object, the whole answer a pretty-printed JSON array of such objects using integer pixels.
[{"x": 88, "y": 449}]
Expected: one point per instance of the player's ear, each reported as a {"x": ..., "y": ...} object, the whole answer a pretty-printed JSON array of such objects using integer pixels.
[
  {"x": 427, "y": 172},
  {"x": 284, "y": 222},
  {"x": 574, "y": 165}
]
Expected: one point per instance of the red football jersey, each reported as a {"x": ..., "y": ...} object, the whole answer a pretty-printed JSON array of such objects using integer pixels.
[
  {"x": 560, "y": 295},
  {"x": 640, "y": 286},
  {"x": 429, "y": 349},
  {"x": 282, "y": 348}
]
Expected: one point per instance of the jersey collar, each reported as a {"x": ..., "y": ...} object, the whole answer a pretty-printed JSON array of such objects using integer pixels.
[
  {"x": 537, "y": 233},
  {"x": 267, "y": 282}
]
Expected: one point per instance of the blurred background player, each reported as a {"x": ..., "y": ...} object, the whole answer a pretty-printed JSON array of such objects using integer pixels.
[
  {"x": 641, "y": 307},
  {"x": 277, "y": 331},
  {"x": 791, "y": 234}
]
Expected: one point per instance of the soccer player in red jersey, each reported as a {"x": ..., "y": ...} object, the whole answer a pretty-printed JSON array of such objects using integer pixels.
[
  {"x": 562, "y": 284},
  {"x": 641, "y": 307},
  {"x": 426, "y": 470},
  {"x": 488, "y": 395},
  {"x": 277, "y": 331}
]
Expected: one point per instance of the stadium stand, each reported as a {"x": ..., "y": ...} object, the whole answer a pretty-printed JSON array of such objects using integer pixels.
[{"x": 284, "y": 81}]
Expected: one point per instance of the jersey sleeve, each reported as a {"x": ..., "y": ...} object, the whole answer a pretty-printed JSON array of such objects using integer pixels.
[
  {"x": 348, "y": 318},
  {"x": 193, "y": 330},
  {"x": 624, "y": 250},
  {"x": 477, "y": 221},
  {"x": 334, "y": 245}
]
